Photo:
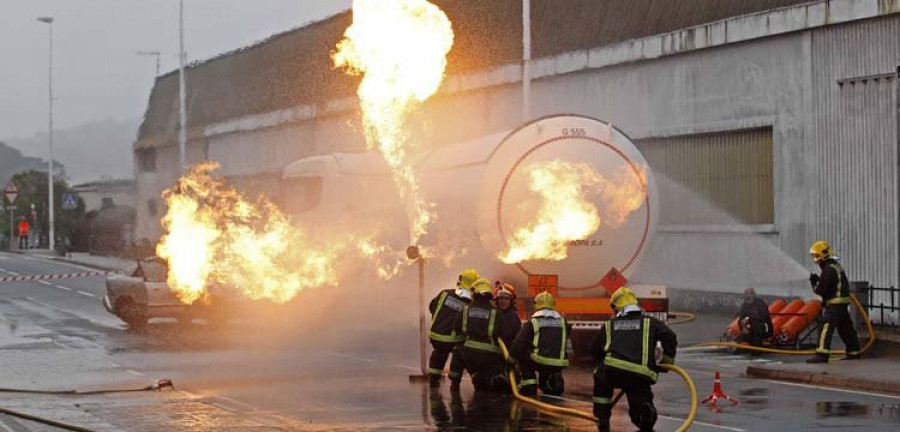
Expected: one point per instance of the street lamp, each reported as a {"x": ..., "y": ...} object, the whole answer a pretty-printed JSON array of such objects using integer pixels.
[
  {"x": 182, "y": 109},
  {"x": 151, "y": 53},
  {"x": 50, "y": 197}
]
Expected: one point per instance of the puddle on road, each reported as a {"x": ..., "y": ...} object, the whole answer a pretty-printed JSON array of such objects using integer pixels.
[
  {"x": 756, "y": 396},
  {"x": 887, "y": 412}
]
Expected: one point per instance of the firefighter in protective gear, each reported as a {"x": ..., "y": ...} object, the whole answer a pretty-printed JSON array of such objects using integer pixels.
[
  {"x": 446, "y": 328},
  {"x": 481, "y": 354},
  {"x": 834, "y": 288},
  {"x": 625, "y": 352},
  {"x": 540, "y": 349},
  {"x": 505, "y": 297}
]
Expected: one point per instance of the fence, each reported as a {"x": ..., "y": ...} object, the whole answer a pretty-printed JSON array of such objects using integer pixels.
[{"x": 881, "y": 303}]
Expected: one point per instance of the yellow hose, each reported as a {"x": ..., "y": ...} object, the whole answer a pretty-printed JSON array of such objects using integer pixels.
[
  {"x": 586, "y": 415},
  {"x": 856, "y": 302}
]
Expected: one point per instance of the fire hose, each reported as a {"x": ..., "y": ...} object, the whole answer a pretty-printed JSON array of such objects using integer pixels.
[
  {"x": 680, "y": 318},
  {"x": 856, "y": 302},
  {"x": 590, "y": 416},
  {"x": 159, "y": 385}
]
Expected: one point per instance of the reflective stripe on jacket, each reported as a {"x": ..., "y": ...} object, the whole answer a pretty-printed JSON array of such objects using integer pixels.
[
  {"x": 628, "y": 343},
  {"x": 549, "y": 343},
  {"x": 481, "y": 326},
  {"x": 446, "y": 317}
]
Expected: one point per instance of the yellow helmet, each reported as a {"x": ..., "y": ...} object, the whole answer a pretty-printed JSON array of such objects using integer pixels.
[
  {"x": 467, "y": 278},
  {"x": 544, "y": 300},
  {"x": 820, "y": 251},
  {"x": 482, "y": 286},
  {"x": 622, "y": 297}
]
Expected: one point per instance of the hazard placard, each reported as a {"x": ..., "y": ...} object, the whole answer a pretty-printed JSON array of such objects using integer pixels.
[
  {"x": 11, "y": 191},
  {"x": 613, "y": 280},
  {"x": 540, "y": 283}
]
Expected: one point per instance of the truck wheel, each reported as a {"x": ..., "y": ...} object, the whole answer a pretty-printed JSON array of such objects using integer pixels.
[{"x": 132, "y": 315}]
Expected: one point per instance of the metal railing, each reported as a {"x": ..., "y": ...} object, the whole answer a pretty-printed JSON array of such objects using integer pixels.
[{"x": 882, "y": 304}]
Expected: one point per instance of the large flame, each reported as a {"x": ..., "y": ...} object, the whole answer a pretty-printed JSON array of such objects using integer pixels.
[
  {"x": 215, "y": 235},
  {"x": 565, "y": 210},
  {"x": 400, "y": 47}
]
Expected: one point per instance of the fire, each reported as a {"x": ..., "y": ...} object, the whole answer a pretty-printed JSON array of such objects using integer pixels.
[
  {"x": 400, "y": 48},
  {"x": 216, "y": 236},
  {"x": 565, "y": 210}
]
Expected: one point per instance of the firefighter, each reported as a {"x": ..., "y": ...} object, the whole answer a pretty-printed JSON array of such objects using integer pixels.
[
  {"x": 626, "y": 353},
  {"x": 481, "y": 355},
  {"x": 446, "y": 328},
  {"x": 540, "y": 349},
  {"x": 754, "y": 319},
  {"x": 509, "y": 316},
  {"x": 834, "y": 288}
]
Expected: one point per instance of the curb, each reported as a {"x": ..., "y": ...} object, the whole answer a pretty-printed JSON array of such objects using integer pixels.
[
  {"x": 84, "y": 264},
  {"x": 825, "y": 379}
]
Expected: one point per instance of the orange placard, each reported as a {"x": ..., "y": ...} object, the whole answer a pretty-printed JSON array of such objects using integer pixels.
[{"x": 540, "y": 283}]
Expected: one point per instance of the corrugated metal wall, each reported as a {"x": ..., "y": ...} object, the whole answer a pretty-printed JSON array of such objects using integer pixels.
[
  {"x": 853, "y": 147},
  {"x": 726, "y": 177}
]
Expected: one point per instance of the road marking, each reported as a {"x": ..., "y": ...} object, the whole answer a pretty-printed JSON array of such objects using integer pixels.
[
  {"x": 11, "y": 272},
  {"x": 44, "y": 283},
  {"x": 86, "y": 294},
  {"x": 63, "y": 288},
  {"x": 705, "y": 424},
  {"x": 134, "y": 372},
  {"x": 367, "y": 360},
  {"x": 859, "y": 392}
]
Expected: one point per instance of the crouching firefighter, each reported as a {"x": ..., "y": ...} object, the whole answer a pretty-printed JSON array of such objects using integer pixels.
[
  {"x": 540, "y": 349},
  {"x": 446, "y": 329},
  {"x": 625, "y": 352},
  {"x": 834, "y": 288},
  {"x": 481, "y": 354}
]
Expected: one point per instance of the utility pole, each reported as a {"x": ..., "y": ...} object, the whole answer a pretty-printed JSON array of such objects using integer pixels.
[
  {"x": 526, "y": 60},
  {"x": 151, "y": 53},
  {"x": 182, "y": 110},
  {"x": 50, "y": 197}
]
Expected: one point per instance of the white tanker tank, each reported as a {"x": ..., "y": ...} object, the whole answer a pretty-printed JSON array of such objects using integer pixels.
[{"x": 477, "y": 188}]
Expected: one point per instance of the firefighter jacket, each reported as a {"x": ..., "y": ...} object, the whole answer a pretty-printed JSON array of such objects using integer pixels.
[
  {"x": 833, "y": 285},
  {"x": 509, "y": 325},
  {"x": 543, "y": 338},
  {"x": 628, "y": 342},
  {"x": 757, "y": 311},
  {"x": 481, "y": 325},
  {"x": 446, "y": 316}
]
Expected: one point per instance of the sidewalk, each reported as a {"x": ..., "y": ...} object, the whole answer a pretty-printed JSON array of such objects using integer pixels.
[
  {"x": 99, "y": 262},
  {"x": 876, "y": 373}
]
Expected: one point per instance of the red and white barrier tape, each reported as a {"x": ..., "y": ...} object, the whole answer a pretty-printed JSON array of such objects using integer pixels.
[{"x": 26, "y": 278}]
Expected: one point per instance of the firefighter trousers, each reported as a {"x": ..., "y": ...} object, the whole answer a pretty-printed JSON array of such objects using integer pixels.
[
  {"x": 486, "y": 368},
  {"x": 439, "y": 354},
  {"x": 837, "y": 317},
  {"x": 548, "y": 378},
  {"x": 637, "y": 390}
]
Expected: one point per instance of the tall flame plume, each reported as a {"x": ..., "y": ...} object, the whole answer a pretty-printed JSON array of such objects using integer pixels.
[
  {"x": 565, "y": 210},
  {"x": 400, "y": 49}
]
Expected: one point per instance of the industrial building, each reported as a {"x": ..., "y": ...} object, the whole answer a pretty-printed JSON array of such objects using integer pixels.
[{"x": 769, "y": 123}]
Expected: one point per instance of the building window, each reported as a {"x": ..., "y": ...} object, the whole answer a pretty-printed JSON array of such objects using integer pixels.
[
  {"x": 722, "y": 178},
  {"x": 146, "y": 159},
  {"x": 152, "y": 206}
]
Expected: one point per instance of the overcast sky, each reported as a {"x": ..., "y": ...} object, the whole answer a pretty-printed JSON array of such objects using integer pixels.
[{"x": 97, "y": 73}]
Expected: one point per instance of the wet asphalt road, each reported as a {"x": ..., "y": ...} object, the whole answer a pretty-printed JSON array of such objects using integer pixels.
[{"x": 287, "y": 362}]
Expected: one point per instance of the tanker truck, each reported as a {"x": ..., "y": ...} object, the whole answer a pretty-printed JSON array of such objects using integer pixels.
[{"x": 478, "y": 188}]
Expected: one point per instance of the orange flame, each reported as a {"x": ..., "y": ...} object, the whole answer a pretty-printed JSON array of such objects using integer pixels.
[
  {"x": 565, "y": 212},
  {"x": 213, "y": 234},
  {"x": 400, "y": 48}
]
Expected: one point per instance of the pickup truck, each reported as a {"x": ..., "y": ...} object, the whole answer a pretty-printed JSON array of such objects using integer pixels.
[{"x": 145, "y": 295}]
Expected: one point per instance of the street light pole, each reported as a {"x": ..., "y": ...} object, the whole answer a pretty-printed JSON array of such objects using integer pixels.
[
  {"x": 151, "y": 53},
  {"x": 182, "y": 110},
  {"x": 526, "y": 60},
  {"x": 50, "y": 197}
]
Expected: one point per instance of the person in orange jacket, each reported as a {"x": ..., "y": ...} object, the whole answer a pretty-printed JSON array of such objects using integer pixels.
[{"x": 24, "y": 232}]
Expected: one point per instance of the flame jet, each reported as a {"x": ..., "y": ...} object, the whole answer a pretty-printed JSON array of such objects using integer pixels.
[{"x": 400, "y": 49}]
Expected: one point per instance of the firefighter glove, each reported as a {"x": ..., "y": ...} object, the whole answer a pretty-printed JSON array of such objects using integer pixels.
[{"x": 813, "y": 279}]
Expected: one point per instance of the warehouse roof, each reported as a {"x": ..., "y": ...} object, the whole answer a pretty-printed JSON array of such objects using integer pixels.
[{"x": 294, "y": 68}]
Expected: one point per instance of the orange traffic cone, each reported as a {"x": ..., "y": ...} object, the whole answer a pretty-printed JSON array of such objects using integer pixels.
[{"x": 717, "y": 393}]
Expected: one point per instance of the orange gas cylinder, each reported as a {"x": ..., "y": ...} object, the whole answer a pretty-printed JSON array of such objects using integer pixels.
[
  {"x": 779, "y": 319},
  {"x": 792, "y": 328},
  {"x": 734, "y": 329}
]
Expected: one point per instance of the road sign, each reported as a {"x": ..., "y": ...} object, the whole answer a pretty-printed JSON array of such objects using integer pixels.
[
  {"x": 11, "y": 208},
  {"x": 11, "y": 191},
  {"x": 70, "y": 202}
]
